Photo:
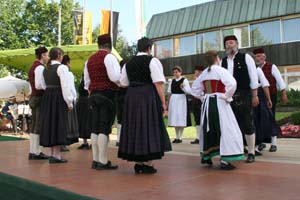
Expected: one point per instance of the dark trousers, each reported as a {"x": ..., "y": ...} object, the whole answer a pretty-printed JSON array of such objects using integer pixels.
[{"x": 274, "y": 102}]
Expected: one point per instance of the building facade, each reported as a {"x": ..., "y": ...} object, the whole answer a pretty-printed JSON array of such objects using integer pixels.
[{"x": 182, "y": 36}]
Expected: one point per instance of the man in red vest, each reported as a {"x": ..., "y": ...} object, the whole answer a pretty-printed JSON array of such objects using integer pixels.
[
  {"x": 37, "y": 68},
  {"x": 276, "y": 83},
  {"x": 102, "y": 73}
]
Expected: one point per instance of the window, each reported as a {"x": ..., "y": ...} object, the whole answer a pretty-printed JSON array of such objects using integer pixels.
[
  {"x": 212, "y": 41},
  {"x": 185, "y": 45},
  {"x": 265, "y": 33},
  {"x": 291, "y": 29},
  {"x": 199, "y": 40},
  {"x": 241, "y": 33},
  {"x": 164, "y": 48}
]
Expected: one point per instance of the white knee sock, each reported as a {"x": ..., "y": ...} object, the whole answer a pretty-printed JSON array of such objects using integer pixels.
[
  {"x": 250, "y": 139},
  {"x": 31, "y": 143},
  {"x": 103, "y": 145},
  {"x": 177, "y": 132},
  {"x": 180, "y": 132},
  {"x": 38, "y": 148},
  {"x": 198, "y": 132},
  {"x": 274, "y": 140},
  {"x": 119, "y": 126},
  {"x": 95, "y": 149}
]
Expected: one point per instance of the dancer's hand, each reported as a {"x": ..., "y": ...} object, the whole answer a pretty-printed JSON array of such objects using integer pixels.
[
  {"x": 284, "y": 98},
  {"x": 269, "y": 104}
]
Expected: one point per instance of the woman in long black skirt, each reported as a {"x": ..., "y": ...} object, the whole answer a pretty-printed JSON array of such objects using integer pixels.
[
  {"x": 57, "y": 101},
  {"x": 143, "y": 135}
]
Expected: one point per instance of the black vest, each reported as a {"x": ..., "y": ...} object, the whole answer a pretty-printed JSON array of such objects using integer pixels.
[
  {"x": 240, "y": 71},
  {"x": 51, "y": 77},
  {"x": 82, "y": 92},
  {"x": 175, "y": 86},
  {"x": 138, "y": 70}
]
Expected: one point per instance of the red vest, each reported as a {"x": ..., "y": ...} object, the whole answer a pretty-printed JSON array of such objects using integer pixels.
[
  {"x": 267, "y": 69},
  {"x": 31, "y": 75},
  {"x": 98, "y": 74}
]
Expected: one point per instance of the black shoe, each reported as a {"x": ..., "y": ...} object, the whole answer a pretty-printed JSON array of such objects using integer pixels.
[
  {"x": 179, "y": 141},
  {"x": 64, "y": 148},
  {"x": 84, "y": 146},
  {"x": 245, "y": 151},
  {"x": 53, "y": 160},
  {"x": 117, "y": 144},
  {"x": 139, "y": 169},
  {"x": 107, "y": 166},
  {"x": 196, "y": 141},
  {"x": 257, "y": 153},
  {"x": 273, "y": 148},
  {"x": 41, "y": 156},
  {"x": 250, "y": 158},
  {"x": 262, "y": 146},
  {"x": 208, "y": 162},
  {"x": 94, "y": 164},
  {"x": 175, "y": 141},
  {"x": 149, "y": 169},
  {"x": 227, "y": 166}
]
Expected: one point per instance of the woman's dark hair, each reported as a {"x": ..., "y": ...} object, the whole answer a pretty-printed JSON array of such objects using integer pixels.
[
  {"x": 177, "y": 68},
  {"x": 66, "y": 59},
  {"x": 143, "y": 44},
  {"x": 54, "y": 53},
  {"x": 210, "y": 58},
  {"x": 39, "y": 51}
]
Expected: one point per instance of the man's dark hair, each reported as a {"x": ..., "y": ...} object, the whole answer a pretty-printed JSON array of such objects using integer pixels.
[{"x": 143, "y": 44}]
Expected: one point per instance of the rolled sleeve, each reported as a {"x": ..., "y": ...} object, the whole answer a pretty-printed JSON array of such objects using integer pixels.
[
  {"x": 252, "y": 72},
  {"x": 279, "y": 80},
  {"x": 262, "y": 78},
  {"x": 157, "y": 72},
  {"x": 63, "y": 73},
  {"x": 39, "y": 81},
  {"x": 124, "y": 79},
  {"x": 86, "y": 77},
  {"x": 113, "y": 68}
]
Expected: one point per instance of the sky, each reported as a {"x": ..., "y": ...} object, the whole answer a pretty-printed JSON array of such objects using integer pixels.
[{"x": 126, "y": 9}]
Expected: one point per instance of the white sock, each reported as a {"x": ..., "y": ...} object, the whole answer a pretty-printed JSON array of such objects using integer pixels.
[
  {"x": 274, "y": 140},
  {"x": 119, "y": 126},
  {"x": 31, "y": 143},
  {"x": 180, "y": 132},
  {"x": 177, "y": 132},
  {"x": 102, "y": 145},
  {"x": 38, "y": 148},
  {"x": 95, "y": 149},
  {"x": 198, "y": 132},
  {"x": 250, "y": 139},
  {"x": 256, "y": 148}
]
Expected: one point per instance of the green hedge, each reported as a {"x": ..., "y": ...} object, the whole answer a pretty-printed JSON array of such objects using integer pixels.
[{"x": 293, "y": 98}]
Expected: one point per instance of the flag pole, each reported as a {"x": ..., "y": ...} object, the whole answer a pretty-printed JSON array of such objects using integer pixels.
[{"x": 111, "y": 22}]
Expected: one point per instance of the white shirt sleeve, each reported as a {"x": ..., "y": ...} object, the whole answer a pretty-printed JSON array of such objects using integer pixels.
[
  {"x": 262, "y": 79},
  {"x": 186, "y": 87},
  {"x": 63, "y": 73},
  {"x": 157, "y": 72},
  {"x": 86, "y": 77},
  {"x": 279, "y": 80},
  {"x": 39, "y": 78},
  {"x": 113, "y": 68},
  {"x": 197, "y": 89},
  {"x": 169, "y": 86},
  {"x": 252, "y": 72},
  {"x": 124, "y": 79},
  {"x": 72, "y": 86},
  {"x": 230, "y": 83}
]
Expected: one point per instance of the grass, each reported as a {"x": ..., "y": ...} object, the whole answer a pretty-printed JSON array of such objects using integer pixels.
[{"x": 281, "y": 115}]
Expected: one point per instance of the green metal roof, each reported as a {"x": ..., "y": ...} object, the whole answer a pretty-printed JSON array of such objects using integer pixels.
[{"x": 217, "y": 14}]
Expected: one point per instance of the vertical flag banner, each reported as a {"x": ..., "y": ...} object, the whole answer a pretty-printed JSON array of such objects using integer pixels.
[
  {"x": 78, "y": 26},
  {"x": 105, "y": 24}
]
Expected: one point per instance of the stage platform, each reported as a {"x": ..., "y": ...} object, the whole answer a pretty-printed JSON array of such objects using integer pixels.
[{"x": 180, "y": 175}]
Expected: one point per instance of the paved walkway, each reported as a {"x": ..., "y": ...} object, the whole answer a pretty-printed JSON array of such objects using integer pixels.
[{"x": 180, "y": 176}]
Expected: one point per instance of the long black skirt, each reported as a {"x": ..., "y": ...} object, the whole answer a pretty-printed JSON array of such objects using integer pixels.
[
  {"x": 73, "y": 134},
  {"x": 143, "y": 134},
  {"x": 54, "y": 118},
  {"x": 84, "y": 125},
  {"x": 264, "y": 121}
]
